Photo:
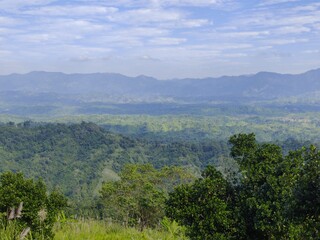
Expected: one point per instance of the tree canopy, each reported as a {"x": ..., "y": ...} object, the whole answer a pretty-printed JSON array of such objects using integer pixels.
[
  {"x": 29, "y": 204},
  {"x": 138, "y": 198},
  {"x": 276, "y": 196}
]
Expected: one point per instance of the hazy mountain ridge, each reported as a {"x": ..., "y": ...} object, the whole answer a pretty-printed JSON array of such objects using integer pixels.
[
  {"x": 261, "y": 85},
  {"x": 49, "y": 87}
]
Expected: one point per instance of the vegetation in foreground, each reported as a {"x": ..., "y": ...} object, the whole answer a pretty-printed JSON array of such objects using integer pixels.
[
  {"x": 42, "y": 216},
  {"x": 101, "y": 230},
  {"x": 138, "y": 198},
  {"x": 272, "y": 196},
  {"x": 26, "y": 208},
  {"x": 77, "y": 158}
]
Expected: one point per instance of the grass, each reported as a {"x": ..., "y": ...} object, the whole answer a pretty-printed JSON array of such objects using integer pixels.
[
  {"x": 100, "y": 230},
  {"x": 11, "y": 231}
]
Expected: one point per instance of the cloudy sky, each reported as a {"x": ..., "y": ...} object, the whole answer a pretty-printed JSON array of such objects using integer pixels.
[{"x": 160, "y": 38}]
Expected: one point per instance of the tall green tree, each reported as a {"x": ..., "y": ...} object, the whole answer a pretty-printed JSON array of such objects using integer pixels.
[
  {"x": 206, "y": 207},
  {"x": 39, "y": 208},
  {"x": 138, "y": 198},
  {"x": 306, "y": 193},
  {"x": 275, "y": 197}
]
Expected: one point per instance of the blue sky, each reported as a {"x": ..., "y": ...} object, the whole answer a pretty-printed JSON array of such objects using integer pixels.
[{"x": 160, "y": 38}]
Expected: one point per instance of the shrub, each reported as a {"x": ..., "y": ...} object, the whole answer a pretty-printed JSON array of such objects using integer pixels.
[{"x": 39, "y": 208}]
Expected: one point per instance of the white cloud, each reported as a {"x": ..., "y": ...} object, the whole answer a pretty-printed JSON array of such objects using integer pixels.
[
  {"x": 248, "y": 34},
  {"x": 288, "y": 16},
  {"x": 5, "y": 53},
  {"x": 234, "y": 55},
  {"x": 17, "y": 4},
  {"x": 291, "y": 30},
  {"x": 286, "y": 41},
  {"x": 162, "y": 3},
  {"x": 86, "y": 58},
  {"x": 147, "y": 15},
  {"x": 316, "y": 26},
  {"x": 182, "y": 33},
  {"x": 193, "y": 23},
  {"x": 142, "y": 32},
  {"x": 189, "y": 2},
  {"x": 9, "y": 21},
  {"x": 8, "y": 32},
  {"x": 79, "y": 26},
  {"x": 148, "y": 58},
  {"x": 71, "y": 11},
  {"x": 169, "y": 18},
  {"x": 127, "y": 38},
  {"x": 298, "y": 20},
  {"x": 274, "y": 2},
  {"x": 167, "y": 41},
  {"x": 309, "y": 7},
  {"x": 313, "y": 51},
  {"x": 36, "y": 38}
]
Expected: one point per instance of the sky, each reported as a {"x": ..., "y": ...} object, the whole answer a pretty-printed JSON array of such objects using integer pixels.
[{"x": 165, "y": 39}]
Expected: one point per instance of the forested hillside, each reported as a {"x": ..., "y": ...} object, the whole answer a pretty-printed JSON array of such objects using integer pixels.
[
  {"x": 76, "y": 158},
  {"x": 126, "y": 179}
]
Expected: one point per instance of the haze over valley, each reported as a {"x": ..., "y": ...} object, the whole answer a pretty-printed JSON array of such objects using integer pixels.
[{"x": 48, "y": 91}]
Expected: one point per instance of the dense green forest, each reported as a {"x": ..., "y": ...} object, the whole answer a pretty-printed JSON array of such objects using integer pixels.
[
  {"x": 216, "y": 122},
  {"x": 266, "y": 192},
  {"x": 272, "y": 196},
  {"x": 76, "y": 158},
  {"x": 123, "y": 169}
]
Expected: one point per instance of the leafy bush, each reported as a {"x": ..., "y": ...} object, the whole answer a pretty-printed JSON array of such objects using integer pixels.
[
  {"x": 138, "y": 198},
  {"x": 274, "y": 196},
  {"x": 38, "y": 209}
]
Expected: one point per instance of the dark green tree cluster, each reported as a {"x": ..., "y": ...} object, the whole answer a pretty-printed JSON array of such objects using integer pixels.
[
  {"x": 204, "y": 207},
  {"x": 37, "y": 210},
  {"x": 271, "y": 197},
  {"x": 138, "y": 198},
  {"x": 73, "y": 157}
]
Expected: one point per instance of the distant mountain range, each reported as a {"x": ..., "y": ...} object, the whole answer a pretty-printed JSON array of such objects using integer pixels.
[
  {"x": 56, "y": 89},
  {"x": 260, "y": 86}
]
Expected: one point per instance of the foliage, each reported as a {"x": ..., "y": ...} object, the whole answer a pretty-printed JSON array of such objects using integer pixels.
[
  {"x": 39, "y": 209},
  {"x": 199, "y": 122},
  {"x": 76, "y": 157},
  {"x": 173, "y": 228},
  {"x": 10, "y": 230},
  {"x": 306, "y": 193},
  {"x": 204, "y": 207},
  {"x": 276, "y": 197},
  {"x": 100, "y": 230},
  {"x": 138, "y": 198}
]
